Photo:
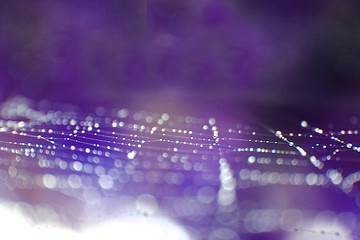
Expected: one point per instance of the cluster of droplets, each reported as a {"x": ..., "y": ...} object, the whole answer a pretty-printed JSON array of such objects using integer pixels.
[{"x": 194, "y": 168}]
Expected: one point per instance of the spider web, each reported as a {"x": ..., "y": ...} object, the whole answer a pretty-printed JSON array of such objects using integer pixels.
[{"x": 219, "y": 179}]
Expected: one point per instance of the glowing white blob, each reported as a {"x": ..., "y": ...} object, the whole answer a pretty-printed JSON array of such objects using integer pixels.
[
  {"x": 311, "y": 179},
  {"x": 20, "y": 226},
  {"x": 212, "y": 121},
  {"x": 131, "y": 155},
  {"x": 137, "y": 228},
  {"x": 318, "y": 130},
  {"x": 49, "y": 181},
  {"x": 165, "y": 116},
  {"x": 123, "y": 113},
  {"x": 301, "y": 151},
  {"x": 347, "y": 220},
  {"x": 77, "y": 166},
  {"x": 334, "y": 176},
  {"x": 106, "y": 181},
  {"x": 251, "y": 159},
  {"x": 304, "y": 124},
  {"x": 21, "y": 124},
  {"x": 146, "y": 204},
  {"x": 12, "y": 171},
  {"x": 225, "y": 197}
]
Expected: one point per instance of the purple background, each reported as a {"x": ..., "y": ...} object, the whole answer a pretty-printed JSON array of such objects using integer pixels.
[
  {"x": 272, "y": 53},
  {"x": 268, "y": 56}
]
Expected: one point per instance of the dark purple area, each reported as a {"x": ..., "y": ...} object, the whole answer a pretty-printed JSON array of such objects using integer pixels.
[
  {"x": 269, "y": 53},
  {"x": 282, "y": 62}
]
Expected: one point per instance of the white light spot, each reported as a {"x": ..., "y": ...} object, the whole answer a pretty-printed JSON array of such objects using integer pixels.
[
  {"x": 146, "y": 204},
  {"x": 77, "y": 166},
  {"x": 131, "y": 155},
  {"x": 251, "y": 159},
  {"x": 311, "y": 179},
  {"x": 63, "y": 164},
  {"x": 138, "y": 228},
  {"x": 12, "y": 171},
  {"x": 165, "y": 116},
  {"x": 212, "y": 121},
  {"x": 106, "y": 182},
  {"x": 335, "y": 177},
  {"x": 49, "y": 181},
  {"x": 225, "y": 197},
  {"x": 318, "y": 130},
  {"x": 21, "y": 124},
  {"x": 123, "y": 113},
  {"x": 301, "y": 151},
  {"x": 304, "y": 124}
]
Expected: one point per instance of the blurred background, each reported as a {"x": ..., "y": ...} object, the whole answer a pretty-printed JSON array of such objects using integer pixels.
[
  {"x": 275, "y": 54},
  {"x": 280, "y": 60}
]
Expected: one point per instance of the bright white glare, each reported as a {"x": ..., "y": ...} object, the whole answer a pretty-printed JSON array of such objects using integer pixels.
[
  {"x": 318, "y": 130},
  {"x": 106, "y": 181},
  {"x": 16, "y": 225},
  {"x": 304, "y": 124},
  {"x": 131, "y": 155},
  {"x": 212, "y": 121},
  {"x": 165, "y": 116},
  {"x": 49, "y": 181},
  {"x": 146, "y": 204},
  {"x": 317, "y": 163},
  {"x": 301, "y": 151},
  {"x": 251, "y": 159},
  {"x": 335, "y": 177},
  {"x": 137, "y": 228}
]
